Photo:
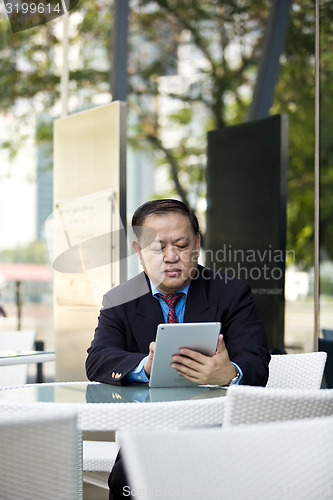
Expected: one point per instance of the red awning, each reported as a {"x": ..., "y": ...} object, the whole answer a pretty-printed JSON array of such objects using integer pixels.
[{"x": 25, "y": 272}]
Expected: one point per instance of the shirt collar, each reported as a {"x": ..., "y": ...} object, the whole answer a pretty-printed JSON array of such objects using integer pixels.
[{"x": 155, "y": 290}]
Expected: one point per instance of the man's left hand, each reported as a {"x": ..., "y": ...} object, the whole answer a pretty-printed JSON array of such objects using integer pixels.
[{"x": 205, "y": 370}]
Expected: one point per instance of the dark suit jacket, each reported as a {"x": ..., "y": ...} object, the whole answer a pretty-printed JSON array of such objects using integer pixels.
[{"x": 130, "y": 315}]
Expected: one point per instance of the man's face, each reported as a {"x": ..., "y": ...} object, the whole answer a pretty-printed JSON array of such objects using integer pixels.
[{"x": 168, "y": 250}]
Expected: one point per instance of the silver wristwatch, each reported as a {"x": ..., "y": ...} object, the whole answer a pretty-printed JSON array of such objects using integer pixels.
[{"x": 235, "y": 379}]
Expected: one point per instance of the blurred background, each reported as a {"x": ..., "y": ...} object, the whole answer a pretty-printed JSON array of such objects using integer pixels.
[{"x": 192, "y": 67}]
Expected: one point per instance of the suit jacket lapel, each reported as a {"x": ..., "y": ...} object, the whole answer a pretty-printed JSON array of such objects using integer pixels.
[{"x": 148, "y": 315}]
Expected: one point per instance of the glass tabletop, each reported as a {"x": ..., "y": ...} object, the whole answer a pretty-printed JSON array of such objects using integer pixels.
[
  {"x": 85, "y": 392},
  {"x": 18, "y": 354}
]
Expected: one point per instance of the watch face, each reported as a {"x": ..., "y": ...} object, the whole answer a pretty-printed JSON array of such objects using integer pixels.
[{"x": 234, "y": 380}]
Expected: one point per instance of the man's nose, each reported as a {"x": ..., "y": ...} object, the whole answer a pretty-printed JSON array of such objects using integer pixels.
[{"x": 170, "y": 254}]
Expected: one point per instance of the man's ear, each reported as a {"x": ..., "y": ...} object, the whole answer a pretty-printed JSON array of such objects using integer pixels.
[
  {"x": 137, "y": 249},
  {"x": 197, "y": 242}
]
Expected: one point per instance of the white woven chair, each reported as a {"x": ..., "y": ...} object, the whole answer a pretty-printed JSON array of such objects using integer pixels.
[
  {"x": 40, "y": 456},
  {"x": 251, "y": 405},
  {"x": 297, "y": 371},
  {"x": 20, "y": 340},
  {"x": 273, "y": 461},
  {"x": 99, "y": 456},
  {"x": 119, "y": 416}
]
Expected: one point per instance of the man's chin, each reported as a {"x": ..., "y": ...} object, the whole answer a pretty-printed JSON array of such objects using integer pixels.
[{"x": 171, "y": 285}]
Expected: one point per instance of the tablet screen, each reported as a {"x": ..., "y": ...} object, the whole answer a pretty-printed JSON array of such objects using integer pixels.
[{"x": 170, "y": 337}]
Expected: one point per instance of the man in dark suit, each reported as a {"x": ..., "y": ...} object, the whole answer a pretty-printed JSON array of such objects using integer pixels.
[{"x": 174, "y": 288}]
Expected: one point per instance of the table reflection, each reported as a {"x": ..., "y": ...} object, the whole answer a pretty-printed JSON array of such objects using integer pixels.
[
  {"x": 84, "y": 392},
  {"x": 141, "y": 393}
]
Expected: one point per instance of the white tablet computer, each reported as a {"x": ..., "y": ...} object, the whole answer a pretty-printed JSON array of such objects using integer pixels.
[{"x": 170, "y": 337}]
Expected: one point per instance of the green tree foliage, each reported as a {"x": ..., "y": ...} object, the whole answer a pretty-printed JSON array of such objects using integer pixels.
[
  {"x": 27, "y": 69},
  {"x": 326, "y": 127},
  {"x": 223, "y": 40},
  {"x": 33, "y": 253},
  {"x": 295, "y": 96}
]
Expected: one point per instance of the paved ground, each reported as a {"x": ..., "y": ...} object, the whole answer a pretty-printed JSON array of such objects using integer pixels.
[
  {"x": 299, "y": 323},
  {"x": 91, "y": 492}
]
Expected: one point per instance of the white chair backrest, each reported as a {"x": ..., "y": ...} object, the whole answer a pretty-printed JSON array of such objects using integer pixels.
[
  {"x": 251, "y": 405},
  {"x": 20, "y": 340},
  {"x": 99, "y": 456},
  {"x": 40, "y": 456},
  {"x": 274, "y": 461},
  {"x": 297, "y": 371}
]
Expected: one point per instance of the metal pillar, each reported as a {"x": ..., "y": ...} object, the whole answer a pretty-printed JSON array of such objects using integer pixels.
[
  {"x": 316, "y": 187},
  {"x": 18, "y": 286},
  {"x": 120, "y": 51},
  {"x": 269, "y": 64}
]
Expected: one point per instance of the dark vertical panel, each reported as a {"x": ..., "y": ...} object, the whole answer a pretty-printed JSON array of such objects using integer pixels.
[
  {"x": 246, "y": 212},
  {"x": 270, "y": 60}
]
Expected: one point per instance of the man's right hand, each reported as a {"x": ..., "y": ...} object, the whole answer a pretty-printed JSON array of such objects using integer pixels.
[{"x": 149, "y": 362}]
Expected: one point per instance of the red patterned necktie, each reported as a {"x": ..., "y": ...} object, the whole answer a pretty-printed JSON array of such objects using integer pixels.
[{"x": 171, "y": 300}]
